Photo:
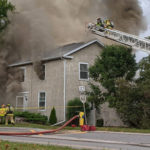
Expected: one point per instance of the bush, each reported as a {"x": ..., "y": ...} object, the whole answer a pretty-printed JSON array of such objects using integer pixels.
[
  {"x": 32, "y": 117},
  {"x": 74, "y": 107},
  {"x": 53, "y": 118},
  {"x": 145, "y": 123},
  {"x": 100, "y": 123}
]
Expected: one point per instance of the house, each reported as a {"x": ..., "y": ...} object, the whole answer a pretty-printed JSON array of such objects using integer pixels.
[{"x": 65, "y": 70}]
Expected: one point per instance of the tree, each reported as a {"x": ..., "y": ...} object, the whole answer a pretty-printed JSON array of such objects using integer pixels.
[
  {"x": 144, "y": 86},
  {"x": 144, "y": 68},
  {"x": 95, "y": 96},
  {"x": 114, "y": 62},
  {"x": 148, "y": 37},
  {"x": 132, "y": 100},
  {"x": 53, "y": 118},
  {"x": 5, "y": 7},
  {"x": 128, "y": 101}
]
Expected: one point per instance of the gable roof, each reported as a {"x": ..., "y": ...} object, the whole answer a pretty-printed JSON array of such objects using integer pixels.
[{"x": 61, "y": 52}]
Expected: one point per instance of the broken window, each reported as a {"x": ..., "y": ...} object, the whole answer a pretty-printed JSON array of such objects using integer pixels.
[
  {"x": 39, "y": 68},
  {"x": 21, "y": 74},
  {"x": 43, "y": 72}
]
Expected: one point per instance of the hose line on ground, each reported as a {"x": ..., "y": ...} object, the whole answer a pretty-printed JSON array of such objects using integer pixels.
[{"x": 39, "y": 132}]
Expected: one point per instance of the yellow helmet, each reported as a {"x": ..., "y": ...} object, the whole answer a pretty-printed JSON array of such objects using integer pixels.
[{"x": 3, "y": 105}]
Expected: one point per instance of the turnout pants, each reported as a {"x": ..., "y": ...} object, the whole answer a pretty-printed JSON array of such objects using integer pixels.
[
  {"x": 2, "y": 118},
  {"x": 9, "y": 117}
]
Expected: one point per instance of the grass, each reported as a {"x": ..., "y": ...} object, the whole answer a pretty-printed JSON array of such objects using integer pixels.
[
  {"x": 122, "y": 129},
  {"x": 113, "y": 129},
  {"x": 40, "y": 126},
  {"x": 4, "y": 145}
]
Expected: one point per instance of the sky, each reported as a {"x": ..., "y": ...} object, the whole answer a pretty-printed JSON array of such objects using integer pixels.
[{"x": 145, "y": 4}]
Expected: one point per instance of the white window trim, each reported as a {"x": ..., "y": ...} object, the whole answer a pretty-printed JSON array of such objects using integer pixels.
[
  {"x": 24, "y": 68},
  {"x": 39, "y": 100},
  {"x": 79, "y": 71}
]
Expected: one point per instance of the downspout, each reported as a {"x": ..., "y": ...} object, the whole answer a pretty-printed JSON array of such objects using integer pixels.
[
  {"x": 64, "y": 89},
  {"x": 64, "y": 92}
]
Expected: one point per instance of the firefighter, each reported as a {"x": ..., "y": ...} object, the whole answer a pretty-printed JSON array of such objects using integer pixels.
[
  {"x": 81, "y": 119},
  {"x": 100, "y": 25},
  {"x": 108, "y": 24},
  {"x": 100, "y": 22},
  {"x": 9, "y": 114},
  {"x": 2, "y": 113}
]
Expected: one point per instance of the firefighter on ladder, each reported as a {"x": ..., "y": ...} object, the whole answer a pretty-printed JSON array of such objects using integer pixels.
[
  {"x": 100, "y": 25},
  {"x": 108, "y": 24}
]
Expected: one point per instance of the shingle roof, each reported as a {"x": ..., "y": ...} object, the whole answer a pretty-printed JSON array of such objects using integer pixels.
[{"x": 60, "y": 52}]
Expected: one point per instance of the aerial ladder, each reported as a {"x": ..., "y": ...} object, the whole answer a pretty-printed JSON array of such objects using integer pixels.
[{"x": 134, "y": 41}]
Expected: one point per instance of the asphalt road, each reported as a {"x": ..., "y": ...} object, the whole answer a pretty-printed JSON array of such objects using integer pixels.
[{"x": 88, "y": 140}]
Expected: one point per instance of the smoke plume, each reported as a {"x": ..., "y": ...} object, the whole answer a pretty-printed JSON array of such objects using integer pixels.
[
  {"x": 126, "y": 14},
  {"x": 39, "y": 26},
  {"x": 9, "y": 78}
]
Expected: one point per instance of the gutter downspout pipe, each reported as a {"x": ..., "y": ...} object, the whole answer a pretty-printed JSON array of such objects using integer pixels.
[{"x": 64, "y": 96}]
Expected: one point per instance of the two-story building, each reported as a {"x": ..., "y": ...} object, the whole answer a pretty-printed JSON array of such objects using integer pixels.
[{"x": 64, "y": 70}]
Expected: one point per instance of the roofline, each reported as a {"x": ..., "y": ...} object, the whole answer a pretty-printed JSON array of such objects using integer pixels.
[
  {"x": 31, "y": 62},
  {"x": 83, "y": 46},
  {"x": 65, "y": 56},
  {"x": 20, "y": 64}
]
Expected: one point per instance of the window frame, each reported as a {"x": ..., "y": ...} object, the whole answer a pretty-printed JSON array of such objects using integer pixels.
[
  {"x": 39, "y": 101},
  {"x": 84, "y": 63}
]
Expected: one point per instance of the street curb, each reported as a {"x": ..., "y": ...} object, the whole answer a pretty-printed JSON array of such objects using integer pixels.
[
  {"x": 90, "y": 140},
  {"x": 129, "y": 133}
]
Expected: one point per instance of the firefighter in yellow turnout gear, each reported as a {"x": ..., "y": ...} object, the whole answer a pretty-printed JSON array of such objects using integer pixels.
[
  {"x": 100, "y": 25},
  {"x": 81, "y": 118},
  {"x": 2, "y": 113},
  {"x": 9, "y": 114},
  {"x": 108, "y": 24}
]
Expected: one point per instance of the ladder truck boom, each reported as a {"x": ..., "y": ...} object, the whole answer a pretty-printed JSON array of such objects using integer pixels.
[{"x": 134, "y": 41}]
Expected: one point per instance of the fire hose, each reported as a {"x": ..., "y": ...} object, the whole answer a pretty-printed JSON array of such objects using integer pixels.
[{"x": 39, "y": 132}]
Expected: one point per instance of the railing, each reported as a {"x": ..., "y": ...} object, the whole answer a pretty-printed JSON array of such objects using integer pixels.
[{"x": 125, "y": 38}]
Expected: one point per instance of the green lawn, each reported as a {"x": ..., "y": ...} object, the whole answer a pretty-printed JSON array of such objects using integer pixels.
[
  {"x": 31, "y": 125},
  {"x": 4, "y": 145},
  {"x": 117, "y": 129},
  {"x": 113, "y": 129}
]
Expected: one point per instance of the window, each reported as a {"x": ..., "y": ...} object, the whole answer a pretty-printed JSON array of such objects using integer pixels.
[
  {"x": 21, "y": 74},
  {"x": 83, "y": 71},
  {"x": 42, "y": 100}
]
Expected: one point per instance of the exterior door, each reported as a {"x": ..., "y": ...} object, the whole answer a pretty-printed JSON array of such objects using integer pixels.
[{"x": 21, "y": 103}]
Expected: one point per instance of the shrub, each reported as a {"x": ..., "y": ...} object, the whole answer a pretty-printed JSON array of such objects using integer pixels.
[
  {"x": 74, "y": 107},
  {"x": 100, "y": 123},
  {"x": 32, "y": 117},
  {"x": 53, "y": 118}
]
